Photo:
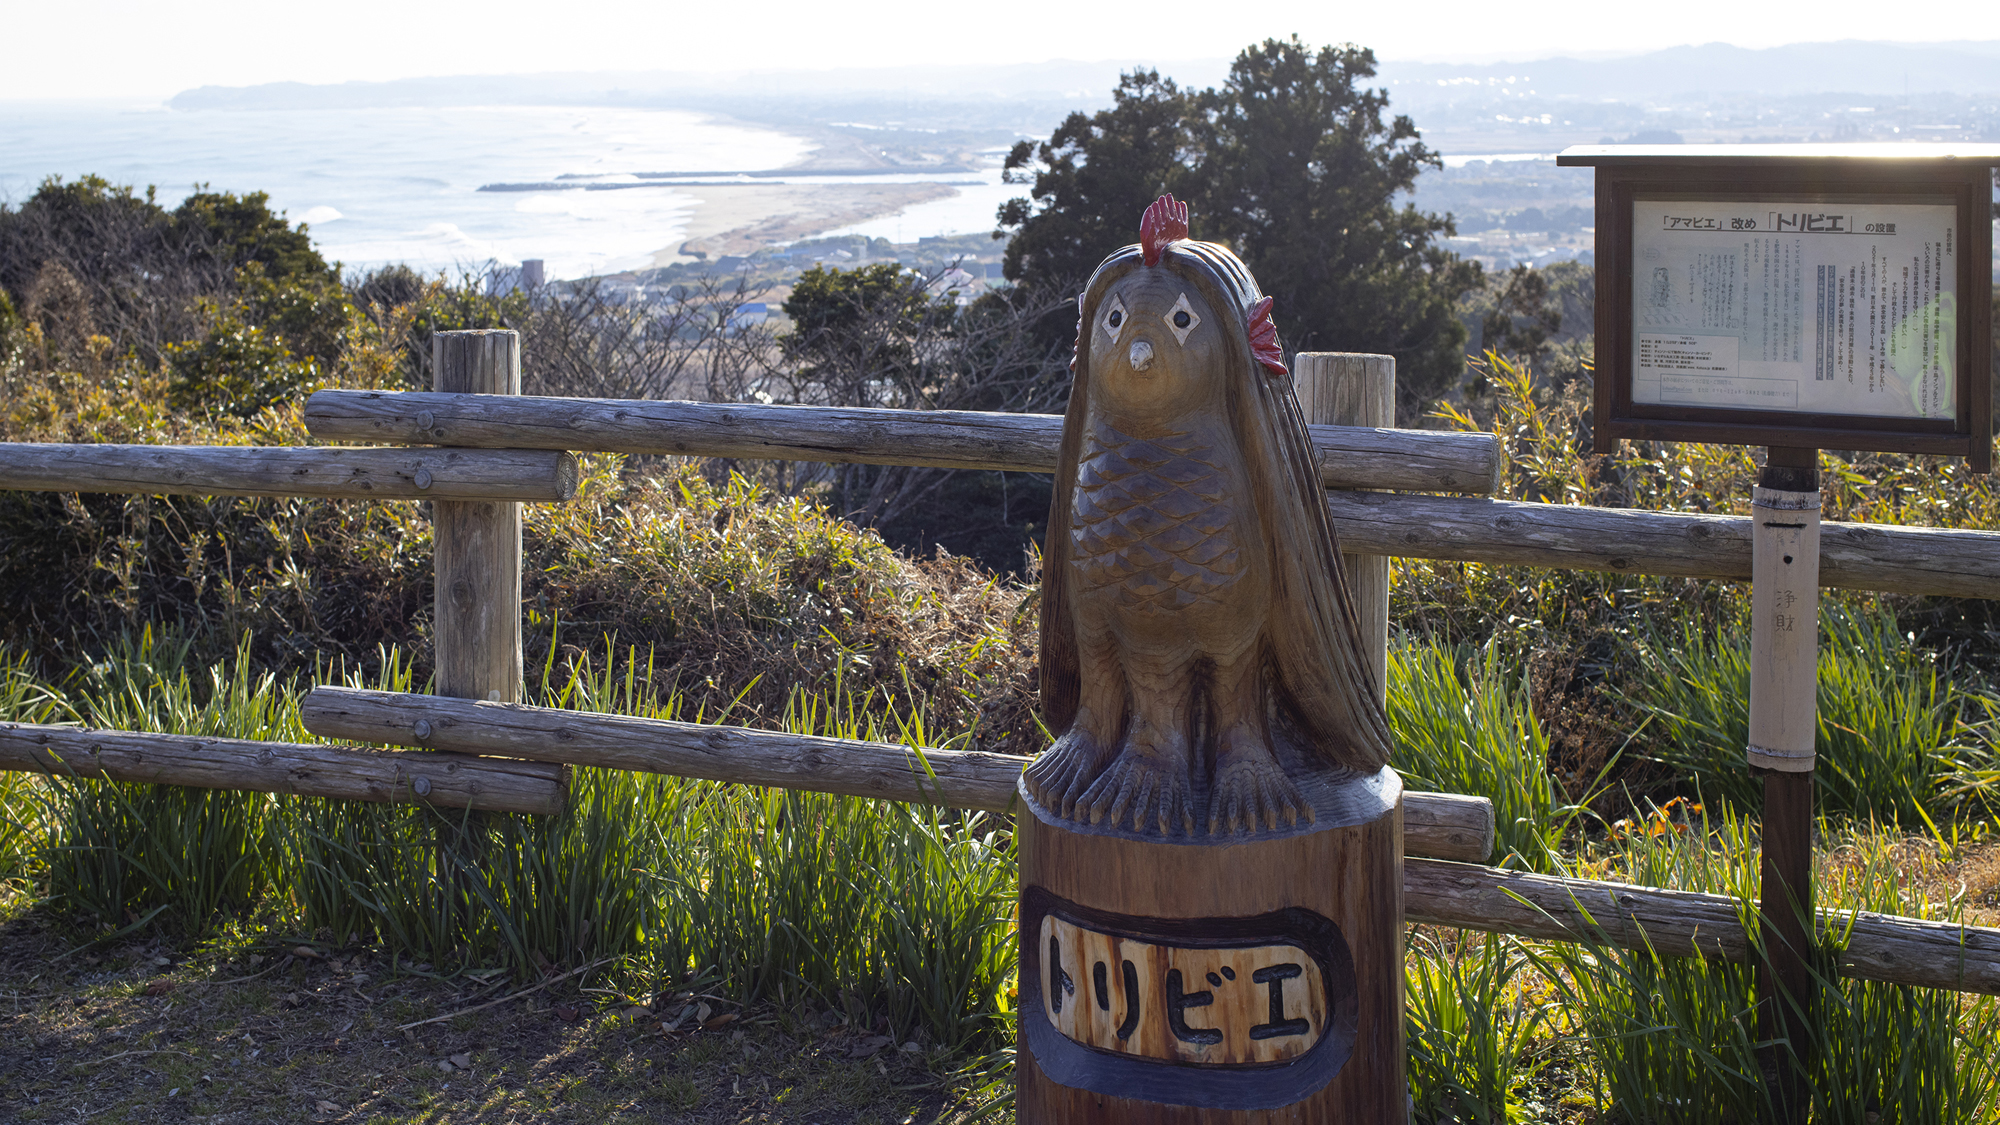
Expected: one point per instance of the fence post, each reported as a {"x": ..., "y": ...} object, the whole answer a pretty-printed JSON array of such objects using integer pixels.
[
  {"x": 1355, "y": 389},
  {"x": 477, "y": 634},
  {"x": 476, "y": 560}
]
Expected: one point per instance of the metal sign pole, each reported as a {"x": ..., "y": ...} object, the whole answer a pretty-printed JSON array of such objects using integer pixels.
[{"x": 1784, "y": 681}]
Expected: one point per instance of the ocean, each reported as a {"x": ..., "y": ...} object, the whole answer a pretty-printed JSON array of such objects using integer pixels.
[{"x": 401, "y": 184}]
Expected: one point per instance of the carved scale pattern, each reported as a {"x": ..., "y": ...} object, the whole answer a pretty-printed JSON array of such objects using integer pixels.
[{"x": 1150, "y": 519}]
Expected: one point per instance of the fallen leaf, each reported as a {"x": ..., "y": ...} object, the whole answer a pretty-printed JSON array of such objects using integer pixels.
[
  {"x": 723, "y": 1020},
  {"x": 637, "y": 1011},
  {"x": 445, "y": 1065},
  {"x": 162, "y": 962},
  {"x": 462, "y": 1062},
  {"x": 701, "y": 1013},
  {"x": 325, "y": 1106},
  {"x": 568, "y": 1013},
  {"x": 159, "y": 987},
  {"x": 308, "y": 953}
]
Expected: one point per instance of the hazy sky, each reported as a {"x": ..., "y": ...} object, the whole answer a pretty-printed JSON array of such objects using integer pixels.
[{"x": 151, "y": 49}]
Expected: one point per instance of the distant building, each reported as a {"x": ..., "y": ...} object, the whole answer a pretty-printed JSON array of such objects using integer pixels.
[
  {"x": 965, "y": 285},
  {"x": 501, "y": 280},
  {"x": 748, "y": 315}
]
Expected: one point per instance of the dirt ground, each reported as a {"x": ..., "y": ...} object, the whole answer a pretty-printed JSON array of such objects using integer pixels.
[{"x": 287, "y": 1032}]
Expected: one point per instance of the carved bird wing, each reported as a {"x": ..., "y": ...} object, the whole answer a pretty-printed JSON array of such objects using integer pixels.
[
  {"x": 1323, "y": 676},
  {"x": 1061, "y": 680}
]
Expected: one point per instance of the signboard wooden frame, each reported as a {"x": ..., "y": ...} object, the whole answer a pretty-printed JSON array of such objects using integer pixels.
[{"x": 1836, "y": 175}]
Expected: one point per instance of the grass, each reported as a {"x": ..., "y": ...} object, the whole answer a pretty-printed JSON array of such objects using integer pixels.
[
  {"x": 1476, "y": 1032},
  {"x": 896, "y": 915},
  {"x": 888, "y": 922},
  {"x": 1677, "y": 1039},
  {"x": 823, "y": 923},
  {"x": 1895, "y": 730},
  {"x": 1462, "y": 724}
]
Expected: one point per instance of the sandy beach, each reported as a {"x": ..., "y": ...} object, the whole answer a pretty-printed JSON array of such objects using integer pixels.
[{"x": 740, "y": 218}]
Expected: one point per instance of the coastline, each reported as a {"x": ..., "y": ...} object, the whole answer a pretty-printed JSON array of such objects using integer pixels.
[{"x": 742, "y": 218}]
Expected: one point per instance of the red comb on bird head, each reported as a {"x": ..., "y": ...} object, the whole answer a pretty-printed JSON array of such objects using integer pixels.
[
  {"x": 1264, "y": 338},
  {"x": 1163, "y": 222}
]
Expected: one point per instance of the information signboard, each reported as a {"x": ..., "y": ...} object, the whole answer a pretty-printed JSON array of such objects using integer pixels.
[{"x": 1817, "y": 296}]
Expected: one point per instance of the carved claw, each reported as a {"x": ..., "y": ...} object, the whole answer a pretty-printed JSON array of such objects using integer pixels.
[
  {"x": 1060, "y": 774},
  {"x": 1251, "y": 787},
  {"x": 1155, "y": 792}
]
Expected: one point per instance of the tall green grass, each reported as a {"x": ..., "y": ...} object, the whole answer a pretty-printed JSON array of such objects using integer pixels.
[
  {"x": 1462, "y": 724},
  {"x": 1891, "y": 736},
  {"x": 898, "y": 915},
  {"x": 1472, "y": 1025},
  {"x": 122, "y": 853},
  {"x": 23, "y": 699},
  {"x": 901, "y": 916},
  {"x": 1676, "y": 1039}
]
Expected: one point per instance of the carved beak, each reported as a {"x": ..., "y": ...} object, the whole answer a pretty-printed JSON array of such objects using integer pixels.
[{"x": 1142, "y": 355}]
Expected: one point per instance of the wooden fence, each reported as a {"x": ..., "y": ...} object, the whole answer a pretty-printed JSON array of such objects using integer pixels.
[{"x": 477, "y": 449}]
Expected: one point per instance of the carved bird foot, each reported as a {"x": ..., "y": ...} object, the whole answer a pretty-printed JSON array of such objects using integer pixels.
[
  {"x": 1059, "y": 775},
  {"x": 1252, "y": 792},
  {"x": 1151, "y": 786}
]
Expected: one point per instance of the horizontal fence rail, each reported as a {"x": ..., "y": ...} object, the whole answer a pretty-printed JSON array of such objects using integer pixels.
[
  {"x": 453, "y": 781},
  {"x": 515, "y": 448},
  {"x": 240, "y": 470},
  {"x": 1436, "y": 891},
  {"x": 1884, "y": 947},
  {"x": 1861, "y": 556},
  {"x": 1435, "y": 824},
  {"x": 1880, "y": 557},
  {"x": 1349, "y": 456},
  {"x": 1889, "y": 559}
]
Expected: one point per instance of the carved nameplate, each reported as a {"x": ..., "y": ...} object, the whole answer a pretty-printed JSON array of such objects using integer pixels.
[
  {"x": 1218, "y": 1006},
  {"x": 1250, "y": 1012}
]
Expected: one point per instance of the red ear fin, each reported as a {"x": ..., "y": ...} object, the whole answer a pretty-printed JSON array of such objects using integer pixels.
[
  {"x": 1264, "y": 337},
  {"x": 1163, "y": 222}
]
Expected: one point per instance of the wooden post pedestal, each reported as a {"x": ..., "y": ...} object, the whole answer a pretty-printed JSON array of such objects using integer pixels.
[{"x": 1197, "y": 979}]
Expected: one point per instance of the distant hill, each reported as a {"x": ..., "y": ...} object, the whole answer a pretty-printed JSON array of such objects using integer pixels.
[
  {"x": 1849, "y": 66},
  {"x": 1055, "y": 80}
]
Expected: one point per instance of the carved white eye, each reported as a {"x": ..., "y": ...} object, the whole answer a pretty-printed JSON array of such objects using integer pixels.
[
  {"x": 1182, "y": 319},
  {"x": 1114, "y": 317}
]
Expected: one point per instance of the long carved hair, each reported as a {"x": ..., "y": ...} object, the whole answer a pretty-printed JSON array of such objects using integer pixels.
[{"x": 1318, "y": 676}]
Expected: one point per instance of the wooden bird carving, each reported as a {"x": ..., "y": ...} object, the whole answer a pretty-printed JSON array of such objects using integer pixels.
[{"x": 1200, "y": 659}]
